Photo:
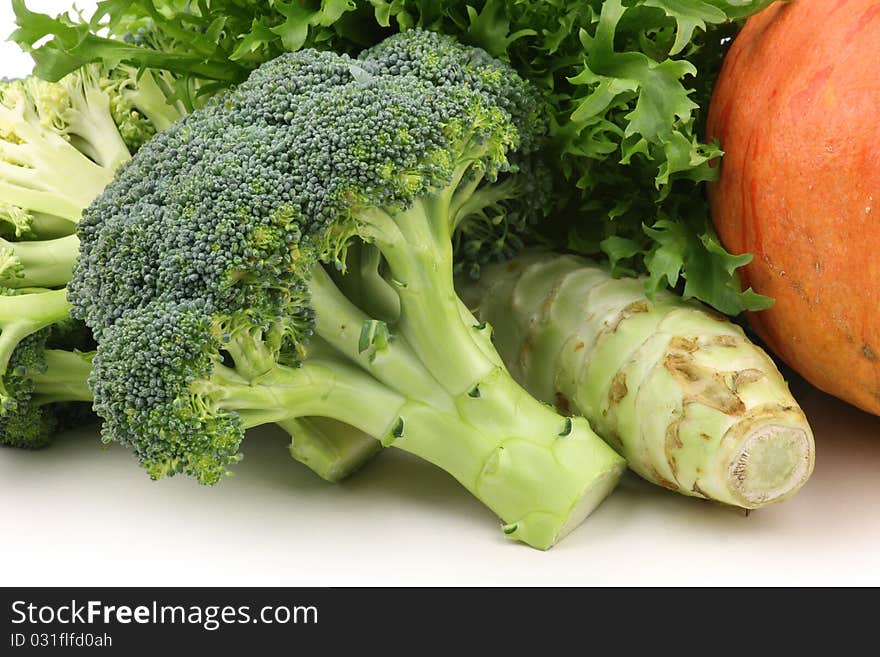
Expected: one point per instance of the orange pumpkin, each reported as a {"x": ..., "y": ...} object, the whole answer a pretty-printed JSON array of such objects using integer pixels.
[{"x": 797, "y": 112}]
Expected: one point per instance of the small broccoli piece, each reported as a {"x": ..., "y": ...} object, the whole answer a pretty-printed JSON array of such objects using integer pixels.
[
  {"x": 204, "y": 276},
  {"x": 59, "y": 147},
  {"x": 332, "y": 449},
  {"x": 43, "y": 389},
  {"x": 23, "y": 313},
  {"x": 45, "y": 362}
]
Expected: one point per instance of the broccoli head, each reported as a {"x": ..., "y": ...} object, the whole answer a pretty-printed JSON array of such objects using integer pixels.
[{"x": 217, "y": 272}]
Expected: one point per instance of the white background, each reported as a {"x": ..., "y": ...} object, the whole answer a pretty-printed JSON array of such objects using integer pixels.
[{"x": 79, "y": 513}]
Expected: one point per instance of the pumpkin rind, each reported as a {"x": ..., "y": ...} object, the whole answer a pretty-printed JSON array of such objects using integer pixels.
[{"x": 796, "y": 109}]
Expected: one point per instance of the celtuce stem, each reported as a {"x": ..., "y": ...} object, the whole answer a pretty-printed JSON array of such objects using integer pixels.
[{"x": 678, "y": 390}]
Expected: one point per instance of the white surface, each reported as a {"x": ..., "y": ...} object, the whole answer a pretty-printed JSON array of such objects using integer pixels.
[{"x": 78, "y": 513}]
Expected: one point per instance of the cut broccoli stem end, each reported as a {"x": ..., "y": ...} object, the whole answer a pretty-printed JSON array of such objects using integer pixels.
[
  {"x": 331, "y": 449},
  {"x": 541, "y": 485}
]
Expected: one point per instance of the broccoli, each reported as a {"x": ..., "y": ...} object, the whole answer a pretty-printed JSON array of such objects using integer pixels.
[
  {"x": 59, "y": 147},
  {"x": 45, "y": 357},
  {"x": 287, "y": 253},
  {"x": 60, "y": 144},
  {"x": 75, "y": 118},
  {"x": 143, "y": 103}
]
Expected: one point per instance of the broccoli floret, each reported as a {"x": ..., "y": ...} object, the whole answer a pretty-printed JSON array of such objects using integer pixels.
[
  {"x": 24, "y": 312},
  {"x": 37, "y": 249},
  {"x": 204, "y": 276},
  {"x": 43, "y": 390}
]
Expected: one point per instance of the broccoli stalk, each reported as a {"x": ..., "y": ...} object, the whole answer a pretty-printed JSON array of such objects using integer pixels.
[
  {"x": 23, "y": 315},
  {"x": 65, "y": 377},
  {"x": 332, "y": 449},
  {"x": 39, "y": 263},
  {"x": 540, "y": 472},
  {"x": 43, "y": 386},
  {"x": 204, "y": 275}
]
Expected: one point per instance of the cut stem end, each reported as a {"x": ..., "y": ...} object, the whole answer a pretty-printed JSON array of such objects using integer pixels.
[{"x": 772, "y": 464}]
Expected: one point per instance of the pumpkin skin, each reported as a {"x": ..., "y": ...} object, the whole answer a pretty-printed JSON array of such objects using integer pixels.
[{"x": 796, "y": 109}]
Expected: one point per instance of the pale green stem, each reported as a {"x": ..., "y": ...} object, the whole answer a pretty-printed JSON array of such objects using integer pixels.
[
  {"x": 44, "y": 263},
  {"x": 64, "y": 379}
]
